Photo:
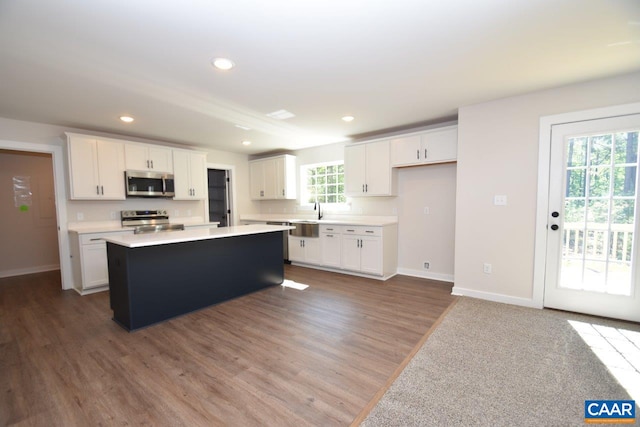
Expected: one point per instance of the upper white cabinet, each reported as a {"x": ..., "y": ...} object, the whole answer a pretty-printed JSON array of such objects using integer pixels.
[
  {"x": 273, "y": 178},
  {"x": 142, "y": 157},
  {"x": 434, "y": 146},
  {"x": 190, "y": 178},
  {"x": 367, "y": 170},
  {"x": 96, "y": 168}
]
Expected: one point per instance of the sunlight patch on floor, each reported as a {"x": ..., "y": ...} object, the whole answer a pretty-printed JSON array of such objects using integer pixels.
[
  {"x": 618, "y": 350},
  {"x": 294, "y": 285}
]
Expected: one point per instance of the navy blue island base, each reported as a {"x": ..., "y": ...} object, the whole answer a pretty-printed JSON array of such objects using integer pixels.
[{"x": 151, "y": 284}]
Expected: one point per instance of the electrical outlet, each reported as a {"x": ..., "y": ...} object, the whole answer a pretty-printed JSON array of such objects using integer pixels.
[
  {"x": 426, "y": 210},
  {"x": 427, "y": 264},
  {"x": 487, "y": 268},
  {"x": 500, "y": 200}
]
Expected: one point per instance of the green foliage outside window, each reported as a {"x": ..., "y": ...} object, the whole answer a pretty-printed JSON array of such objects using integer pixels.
[{"x": 325, "y": 184}]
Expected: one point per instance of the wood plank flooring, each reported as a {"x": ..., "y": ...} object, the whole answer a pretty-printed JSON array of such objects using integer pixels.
[{"x": 277, "y": 357}]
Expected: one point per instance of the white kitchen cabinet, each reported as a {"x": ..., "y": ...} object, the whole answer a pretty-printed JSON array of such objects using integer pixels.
[
  {"x": 305, "y": 249},
  {"x": 367, "y": 170},
  {"x": 96, "y": 168},
  {"x": 273, "y": 178},
  {"x": 362, "y": 250},
  {"x": 434, "y": 146},
  {"x": 142, "y": 157},
  {"x": 89, "y": 261},
  {"x": 331, "y": 245},
  {"x": 190, "y": 178}
]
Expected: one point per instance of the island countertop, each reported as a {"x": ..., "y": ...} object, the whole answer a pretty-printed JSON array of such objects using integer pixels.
[{"x": 191, "y": 235}]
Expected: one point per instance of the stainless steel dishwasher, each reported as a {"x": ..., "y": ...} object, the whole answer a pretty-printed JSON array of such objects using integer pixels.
[{"x": 285, "y": 241}]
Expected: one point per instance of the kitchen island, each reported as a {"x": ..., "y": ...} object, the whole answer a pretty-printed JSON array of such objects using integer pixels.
[{"x": 155, "y": 277}]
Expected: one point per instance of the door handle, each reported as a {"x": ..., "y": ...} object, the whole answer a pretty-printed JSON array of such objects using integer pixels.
[
  {"x": 555, "y": 214},
  {"x": 554, "y": 227}
]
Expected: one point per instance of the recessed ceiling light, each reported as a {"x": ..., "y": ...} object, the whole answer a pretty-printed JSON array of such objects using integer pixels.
[
  {"x": 223, "y": 63},
  {"x": 281, "y": 115},
  {"x": 243, "y": 127},
  {"x": 348, "y": 118},
  {"x": 246, "y": 142},
  {"x": 126, "y": 119}
]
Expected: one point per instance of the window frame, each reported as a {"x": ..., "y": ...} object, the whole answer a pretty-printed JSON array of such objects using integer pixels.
[{"x": 304, "y": 189}]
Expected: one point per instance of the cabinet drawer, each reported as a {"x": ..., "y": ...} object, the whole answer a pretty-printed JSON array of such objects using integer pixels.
[
  {"x": 327, "y": 228},
  {"x": 362, "y": 230},
  {"x": 88, "y": 239}
]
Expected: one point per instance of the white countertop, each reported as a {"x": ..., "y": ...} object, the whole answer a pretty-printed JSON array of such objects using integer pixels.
[
  {"x": 377, "y": 221},
  {"x": 191, "y": 235},
  {"x": 111, "y": 226}
]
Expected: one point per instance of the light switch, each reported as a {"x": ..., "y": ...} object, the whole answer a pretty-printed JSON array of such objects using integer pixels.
[{"x": 500, "y": 200}]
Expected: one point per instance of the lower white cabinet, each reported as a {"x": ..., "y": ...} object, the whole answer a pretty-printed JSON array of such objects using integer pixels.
[
  {"x": 305, "y": 249},
  {"x": 363, "y": 250},
  {"x": 89, "y": 261},
  {"x": 331, "y": 241}
]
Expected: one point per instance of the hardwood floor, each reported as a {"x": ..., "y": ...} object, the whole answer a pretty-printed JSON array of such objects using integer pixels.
[{"x": 273, "y": 358}]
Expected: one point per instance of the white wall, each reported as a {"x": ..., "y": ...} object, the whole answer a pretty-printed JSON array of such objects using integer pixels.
[
  {"x": 497, "y": 155},
  {"x": 29, "y": 240}
]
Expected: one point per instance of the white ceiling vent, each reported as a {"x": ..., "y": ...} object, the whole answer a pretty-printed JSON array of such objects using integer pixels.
[{"x": 281, "y": 115}]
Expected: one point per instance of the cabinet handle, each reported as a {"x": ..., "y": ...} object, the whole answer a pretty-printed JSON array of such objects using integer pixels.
[
  {"x": 366, "y": 188},
  {"x": 151, "y": 164},
  {"x": 418, "y": 154},
  {"x": 98, "y": 190},
  {"x": 148, "y": 164},
  {"x": 283, "y": 191},
  {"x": 363, "y": 188},
  {"x": 102, "y": 189},
  {"x": 425, "y": 153}
]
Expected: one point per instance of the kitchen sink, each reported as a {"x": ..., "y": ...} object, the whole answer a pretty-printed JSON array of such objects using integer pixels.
[{"x": 305, "y": 228}]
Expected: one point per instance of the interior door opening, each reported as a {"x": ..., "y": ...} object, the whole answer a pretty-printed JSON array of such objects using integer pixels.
[{"x": 219, "y": 199}]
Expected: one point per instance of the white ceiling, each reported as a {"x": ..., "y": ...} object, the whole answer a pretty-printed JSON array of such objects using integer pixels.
[{"x": 84, "y": 63}]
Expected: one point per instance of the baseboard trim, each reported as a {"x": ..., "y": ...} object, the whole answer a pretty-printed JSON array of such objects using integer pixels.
[
  {"x": 490, "y": 296},
  {"x": 30, "y": 270},
  {"x": 426, "y": 275},
  {"x": 348, "y": 272}
]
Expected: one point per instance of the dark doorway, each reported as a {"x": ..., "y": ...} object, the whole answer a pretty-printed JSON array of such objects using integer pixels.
[{"x": 219, "y": 210}]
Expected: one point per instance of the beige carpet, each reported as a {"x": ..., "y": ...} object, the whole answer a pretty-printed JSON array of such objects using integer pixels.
[{"x": 491, "y": 364}]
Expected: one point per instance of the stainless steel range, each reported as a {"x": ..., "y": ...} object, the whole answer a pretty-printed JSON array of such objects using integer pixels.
[{"x": 148, "y": 221}]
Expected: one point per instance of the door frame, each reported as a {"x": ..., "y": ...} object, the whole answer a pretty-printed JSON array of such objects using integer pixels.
[
  {"x": 544, "y": 168},
  {"x": 60, "y": 192},
  {"x": 231, "y": 169}
]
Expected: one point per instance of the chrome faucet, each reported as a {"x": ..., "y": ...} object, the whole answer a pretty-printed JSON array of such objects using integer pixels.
[{"x": 317, "y": 205}]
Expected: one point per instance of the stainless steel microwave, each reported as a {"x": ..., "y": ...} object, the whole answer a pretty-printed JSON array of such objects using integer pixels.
[{"x": 149, "y": 184}]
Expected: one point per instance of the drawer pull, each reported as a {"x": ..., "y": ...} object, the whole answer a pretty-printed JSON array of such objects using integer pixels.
[
  {"x": 351, "y": 231},
  {"x": 369, "y": 231},
  {"x": 96, "y": 239}
]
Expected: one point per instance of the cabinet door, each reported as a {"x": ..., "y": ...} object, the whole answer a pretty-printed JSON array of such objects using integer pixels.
[
  {"x": 406, "y": 151},
  {"x": 312, "y": 251},
  {"x": 371, "y": 255},
  {"x": 182, "y": 183},
  {"x": 378, "y": 169},
  {"x": 354, "y": 169},
  {"x": 136, "y": 157},
  {"x": 161, "y": 159},
  {"x": 83, "y": 168},
  {"x": 256, "y": 180},
  {"x": 440, "y": 146},
  {"x": 198, "y": 175},
  {"x": 111, "y": 169},
  {"x": 270, "y": 179},
  {"x": 94, "y": 265},
  {"x": 331, "y": 250},
  {"x": 351, "y": 252},
  {"x": 296, "y": 251}
]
